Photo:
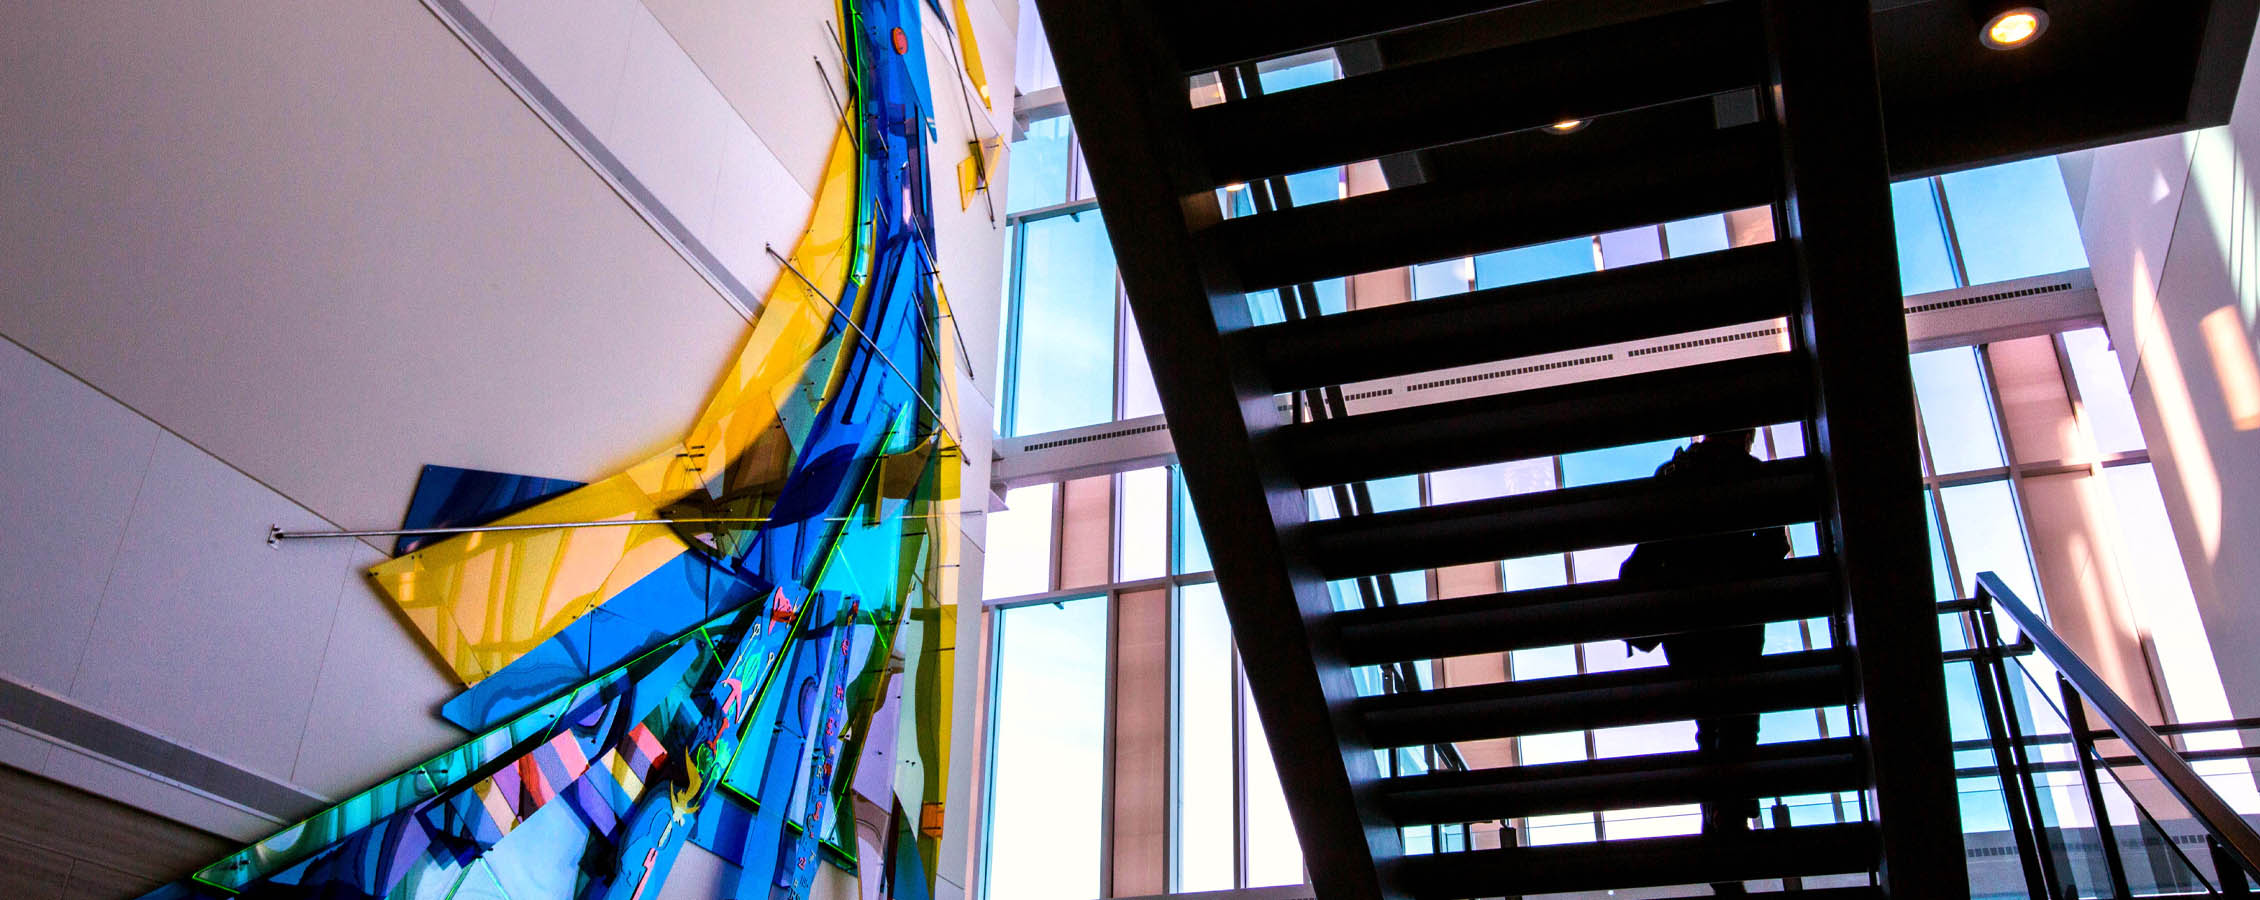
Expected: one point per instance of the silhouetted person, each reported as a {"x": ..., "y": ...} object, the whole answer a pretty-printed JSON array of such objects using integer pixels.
[{"x": 1709, "y": 654}]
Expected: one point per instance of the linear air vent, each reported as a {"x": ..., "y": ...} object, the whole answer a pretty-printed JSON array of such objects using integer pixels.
[
  {"x": 1104, "y": 435},
  {"x": 1704, "y": 342},
  {"x": 1509, "y": 373},
  {"x": 2057, "y": 288}
]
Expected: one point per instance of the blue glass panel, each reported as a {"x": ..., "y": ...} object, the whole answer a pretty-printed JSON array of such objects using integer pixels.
[
  {"x": 1534, "y": 263},
  {"x": 1926, "y": 263},
  {"x": 449, "y": 497},
  {"x": 1036, "y": 173},
  {"x": 2014, "y": 220},
  {"x": 1064, "y": 346}
]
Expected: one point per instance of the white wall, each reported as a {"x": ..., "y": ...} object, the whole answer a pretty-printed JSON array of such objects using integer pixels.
[
  {"x": 261, "y": 261},
  {"x": 136, "y": 586},
  {"x": 2168, "y": 224}
]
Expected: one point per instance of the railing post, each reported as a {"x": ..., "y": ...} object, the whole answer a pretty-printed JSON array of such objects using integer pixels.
[
  {"x": 1987, "y": 671},
  {"x": 2227, "y": 872},
  {"x": 2075, "y": 716},
  {"x": 1780, "y": 816}
]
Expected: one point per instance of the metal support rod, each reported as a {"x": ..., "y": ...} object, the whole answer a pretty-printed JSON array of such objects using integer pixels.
[
  {"x": 939, "y": 422},
  {"x": 276, "y": 534},
  {"x": 2075, "y": 715}
]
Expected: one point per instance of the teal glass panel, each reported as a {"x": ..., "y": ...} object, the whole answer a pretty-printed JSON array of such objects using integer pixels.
[
  {"x": 1063, "y": 345},
  {"x": 1926, "y": 263},
  {"x": 2014, "y": 220}
]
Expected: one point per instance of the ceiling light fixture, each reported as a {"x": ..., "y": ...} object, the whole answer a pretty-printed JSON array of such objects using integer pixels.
[
  {"x": 1566, "y": 126},
  {"x": 2011, "y": 24}
]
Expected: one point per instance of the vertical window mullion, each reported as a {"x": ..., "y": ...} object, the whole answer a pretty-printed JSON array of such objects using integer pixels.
[
  {"x": 1946, "y": 224},
  {"x": 1107, "y": 737}
]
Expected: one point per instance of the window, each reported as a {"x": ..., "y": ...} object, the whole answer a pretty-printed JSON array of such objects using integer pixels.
[
  {"x": 1048, "y": 725},
  {"x": 1062, "y": 344},
  {"x": 1984, "y": 225}
]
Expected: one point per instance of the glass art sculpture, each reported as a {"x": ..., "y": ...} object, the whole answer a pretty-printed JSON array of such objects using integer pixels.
[{"x": 762, "y": 665}]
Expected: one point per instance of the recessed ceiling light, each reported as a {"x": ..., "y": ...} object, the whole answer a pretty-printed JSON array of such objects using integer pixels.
[
  {"x": 2016, "y": 26},
  {"x": 1566, "y": 126}
]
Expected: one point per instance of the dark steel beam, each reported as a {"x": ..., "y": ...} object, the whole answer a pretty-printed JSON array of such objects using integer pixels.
[
  {"x": 1212, "y": 35},
  {"x": 1129, "y": 102},
  {"x": 1838, "y": 219}
]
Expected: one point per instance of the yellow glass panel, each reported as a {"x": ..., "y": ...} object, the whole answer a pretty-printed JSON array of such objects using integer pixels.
[{"x": 486, "y": 598}]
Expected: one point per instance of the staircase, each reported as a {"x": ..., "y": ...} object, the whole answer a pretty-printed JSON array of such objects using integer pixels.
[{"x": 1698, "y": 109}]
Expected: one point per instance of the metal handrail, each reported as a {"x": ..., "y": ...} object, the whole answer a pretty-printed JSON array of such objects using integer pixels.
[{"x": 2232, "y": 832}]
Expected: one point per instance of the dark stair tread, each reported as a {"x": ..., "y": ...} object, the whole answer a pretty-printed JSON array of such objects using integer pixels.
[
  {"x": 1835, "y": 893},
  {"x": 1773, "y": 770},
  {"x": 1689, "y": 53},
  {"x": 1781, "y": 492},
  {"x": 1620, "y": 185},
  {"x": 1650, "y": 862},
  {"x": 1737, "y": 393},
  {"x": 1218, "y": 34},
  {"x": 1801, "y": 680},
  {"x": 1690, "y": 293},
  {"x": 1572, "y": 614}
]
